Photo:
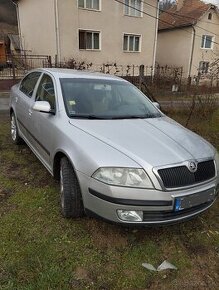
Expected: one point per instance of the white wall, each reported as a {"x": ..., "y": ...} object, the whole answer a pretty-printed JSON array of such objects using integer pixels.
[
  {"x": 37, "y": 23},
  {"x": 39, "y": 35}
]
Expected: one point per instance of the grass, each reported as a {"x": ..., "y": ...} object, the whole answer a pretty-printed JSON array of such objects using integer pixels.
[{"x": 41, "y": 250}]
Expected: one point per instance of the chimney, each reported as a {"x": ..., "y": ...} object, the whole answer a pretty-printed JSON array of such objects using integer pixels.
[{"x": 179, "y": 4}]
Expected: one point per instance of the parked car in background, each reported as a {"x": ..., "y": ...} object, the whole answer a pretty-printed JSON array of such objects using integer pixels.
[{"x": 114, "y": 152}]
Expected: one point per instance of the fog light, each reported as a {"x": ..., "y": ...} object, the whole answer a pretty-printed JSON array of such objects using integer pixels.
[{"x": 130, "y": 215}]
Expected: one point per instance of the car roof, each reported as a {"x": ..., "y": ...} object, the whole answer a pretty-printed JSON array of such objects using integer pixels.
[{"x": 71, "y": 73}]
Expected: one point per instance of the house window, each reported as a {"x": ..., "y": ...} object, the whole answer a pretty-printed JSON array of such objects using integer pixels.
[
  {"x": 131, "y": 42},
  {"x": 89, "y": 39},
  {"x": 133, "y": 8},
  {"x": 203, "y": 67},
  {"x": 206, "y": 41},
  {"x": 89, "y": 4},
  {"x": 209, "y": 16}
]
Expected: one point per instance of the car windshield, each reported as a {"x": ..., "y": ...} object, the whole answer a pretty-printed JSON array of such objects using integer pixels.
[{"x": 105, "y": 99}]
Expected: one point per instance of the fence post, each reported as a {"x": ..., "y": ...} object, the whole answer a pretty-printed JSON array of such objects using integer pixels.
[
  {"x": 50, "y": 61},
  {"x": 56, "y": 60},
  {"x": 141, "y": 75},
  {"x": 104, "y": 68},
  {"x": 13, "y": 67}
]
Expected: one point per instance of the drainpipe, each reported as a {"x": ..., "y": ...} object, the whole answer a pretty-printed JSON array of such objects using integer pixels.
[
  {"x": 155, "y": 39},
  {"x": 191, "y": 56},
  {"x": 18, "y": 23},
  {"x": 56, "y": 12}
]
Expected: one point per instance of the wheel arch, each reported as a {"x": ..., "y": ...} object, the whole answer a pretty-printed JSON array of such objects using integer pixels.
[{"x": 56, "y": 163}]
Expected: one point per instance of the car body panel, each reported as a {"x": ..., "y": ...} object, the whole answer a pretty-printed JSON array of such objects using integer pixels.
[
  {"x": 153, "y": 142},
  {"x": 150, "y": 144}
]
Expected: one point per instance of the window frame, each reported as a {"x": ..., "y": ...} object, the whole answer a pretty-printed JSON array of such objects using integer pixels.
[
  {"x": 35, "y": 86},
  {"x": 91, "y": 9},
  {"x": 203, "y": 41},
  {"x": 203, "y": 67},
  {"x": 210, "y": 16},
  {"x": 130, "y": 9},
  {"x": 54, "y": 86},
  {"x": 89, "y": 31},
  {"x": 134, "y": 35}
]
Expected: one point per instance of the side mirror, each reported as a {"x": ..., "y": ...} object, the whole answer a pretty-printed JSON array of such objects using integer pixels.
[
  {"x": 157, "y": 105},
  {"x": 42, "y": 106}
]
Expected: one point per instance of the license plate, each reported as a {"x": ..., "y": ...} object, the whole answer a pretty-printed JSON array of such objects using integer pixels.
[{"x": 188, "y": 201}]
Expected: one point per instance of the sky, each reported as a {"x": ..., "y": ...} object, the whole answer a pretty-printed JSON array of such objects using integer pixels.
[{"x": 212, "y": 1}]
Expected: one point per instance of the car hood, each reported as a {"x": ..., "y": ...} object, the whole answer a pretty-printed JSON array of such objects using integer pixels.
[{"x": 149, "y": 142}]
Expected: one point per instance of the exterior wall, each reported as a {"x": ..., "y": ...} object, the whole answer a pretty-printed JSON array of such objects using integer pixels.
[
  {"x": 37, "y": 23},
  {"x": 38, "y": 29},
  {"x": 208, "y": 55},
  {"x": 112, "y": 24},
  {"x": 174, "y": 48}
]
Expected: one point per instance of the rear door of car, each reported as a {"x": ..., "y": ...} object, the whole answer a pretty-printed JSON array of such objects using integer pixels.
[{"x": 24, "y": 101}]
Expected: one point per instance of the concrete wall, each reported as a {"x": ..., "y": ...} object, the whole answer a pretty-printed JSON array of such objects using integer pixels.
[
  {"x": 37, "y": 21},
  {"x": 39, "y": 34},
  {"x": 174, "y": 48},
  {"x": 112, "y": 24}
]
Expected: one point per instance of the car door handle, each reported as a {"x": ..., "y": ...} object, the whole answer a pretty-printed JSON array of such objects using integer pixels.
[{"x": 30, "y": 112}]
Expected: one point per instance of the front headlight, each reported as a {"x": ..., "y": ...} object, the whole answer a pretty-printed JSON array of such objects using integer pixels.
[{"x": 130, "y": 177}]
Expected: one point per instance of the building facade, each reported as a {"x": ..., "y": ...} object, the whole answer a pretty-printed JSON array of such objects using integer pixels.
[
  {"x": 188, "y": 37},
  {"x": 97, "y": 31}
]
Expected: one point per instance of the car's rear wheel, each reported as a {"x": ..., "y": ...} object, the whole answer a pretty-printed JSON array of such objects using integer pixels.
[
  {"x": 14, "y": 131},
  {"x": 70, "y": 193}
]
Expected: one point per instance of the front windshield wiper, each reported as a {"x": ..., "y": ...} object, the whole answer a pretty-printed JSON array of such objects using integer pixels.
[
  {"x": 96, "y": 117},
  {"x": 87, "y": 116},
  {"x": 136, "y": 116}
]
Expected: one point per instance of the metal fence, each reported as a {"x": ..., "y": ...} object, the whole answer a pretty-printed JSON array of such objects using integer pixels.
[{"x": 16, "y": 66}]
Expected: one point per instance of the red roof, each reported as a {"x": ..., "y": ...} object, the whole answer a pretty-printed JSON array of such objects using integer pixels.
[{"x": 188, "y": 15}]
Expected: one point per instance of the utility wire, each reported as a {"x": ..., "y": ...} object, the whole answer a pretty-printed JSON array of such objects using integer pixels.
[
  {"x": 139, "y": 10},
  {"x": 180, "y": 15}
]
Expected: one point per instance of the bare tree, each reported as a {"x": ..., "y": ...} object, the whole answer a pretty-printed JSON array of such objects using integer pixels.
[{"x": 166, "y": 4}]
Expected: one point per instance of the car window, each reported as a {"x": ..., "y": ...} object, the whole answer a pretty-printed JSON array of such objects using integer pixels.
[
  {"x": 105, "y": 99},
  {"x": 45, "y": 91},
  {"x": 29, "y": 82}
]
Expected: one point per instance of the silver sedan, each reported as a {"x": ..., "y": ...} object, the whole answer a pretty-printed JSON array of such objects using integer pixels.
[{"x": 114, "y": 152}]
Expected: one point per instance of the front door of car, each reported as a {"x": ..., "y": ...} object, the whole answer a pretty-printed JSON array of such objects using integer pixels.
[
  {"x": 43, "y": 123},
  {"x": 23, "y": 103}
]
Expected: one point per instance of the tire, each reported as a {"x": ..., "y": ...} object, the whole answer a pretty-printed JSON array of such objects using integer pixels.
[
  {"x": 16, "y": 139},
  {"x": 70, "y": 193}
]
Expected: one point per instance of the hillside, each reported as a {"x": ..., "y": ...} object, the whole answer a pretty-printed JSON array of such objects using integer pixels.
[
  {"x": 7, "y": 28},
  {"x": 8, "y": 12}
]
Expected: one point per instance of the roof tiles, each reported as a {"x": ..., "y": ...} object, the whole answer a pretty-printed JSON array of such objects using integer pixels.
[{"x": 188, "y": 15}]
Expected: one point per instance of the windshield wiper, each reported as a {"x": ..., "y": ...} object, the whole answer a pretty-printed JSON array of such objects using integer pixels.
[
  {"x": 87, "y": 116},
  {"x": 96, "y": 117},
  {"x": 135, "y": 116}
]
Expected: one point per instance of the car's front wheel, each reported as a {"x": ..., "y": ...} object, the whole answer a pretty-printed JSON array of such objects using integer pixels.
[
  {"x": 70, "y": 193},
  {"x": 14, "y": 131}
]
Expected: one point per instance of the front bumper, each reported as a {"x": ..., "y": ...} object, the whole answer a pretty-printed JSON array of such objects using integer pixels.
[{"x": 158, "y": 207}]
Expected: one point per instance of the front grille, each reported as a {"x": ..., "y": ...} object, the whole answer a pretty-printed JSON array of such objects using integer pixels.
[
  {"x": 181, "y": 176},
  {"x": 171, "y": 215}
]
